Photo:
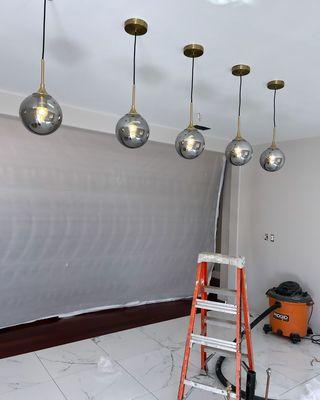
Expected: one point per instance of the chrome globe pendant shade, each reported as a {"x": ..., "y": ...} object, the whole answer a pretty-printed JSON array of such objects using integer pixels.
[
  {"x": 40, "y": 112},
  {"x": 239, "y": 151},
  {"x": 273, "y": 159},
  {"x": 132, "y": 129},
  {"x": 190, "y": 142}
]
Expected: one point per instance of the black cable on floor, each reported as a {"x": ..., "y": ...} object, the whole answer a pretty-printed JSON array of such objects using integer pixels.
[{"x": 313, "y": 338}]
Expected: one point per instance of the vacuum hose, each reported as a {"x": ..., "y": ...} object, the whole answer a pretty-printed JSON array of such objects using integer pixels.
[{"x": 221, "y": 359}]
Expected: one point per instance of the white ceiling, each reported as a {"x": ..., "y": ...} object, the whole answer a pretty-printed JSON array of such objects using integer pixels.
[{"x": 89, "y": 59}]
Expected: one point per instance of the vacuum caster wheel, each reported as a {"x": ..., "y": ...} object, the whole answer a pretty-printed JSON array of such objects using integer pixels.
[
  {"x": 310, "y": 331},
  {"x": 295, "y": 338},
  {"x": 267, "y": 328}
]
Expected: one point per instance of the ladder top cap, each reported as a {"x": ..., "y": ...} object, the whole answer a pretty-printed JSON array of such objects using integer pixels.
[{"x": 221, "y": 259}]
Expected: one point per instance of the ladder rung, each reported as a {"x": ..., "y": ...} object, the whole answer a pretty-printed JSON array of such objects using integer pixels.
[
  {"x": 215, "y": 306},
  {"x": 208, "y": 388},
  {"x": 220, "y": 291},
  {"x": 226, "y": 323},
  {"x": 214, "y": 343}
]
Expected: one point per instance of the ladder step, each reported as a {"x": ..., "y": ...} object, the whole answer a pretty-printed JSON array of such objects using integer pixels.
[
  {"x": 238, "y": 262},
  {"x": 220, "y": 291},
  {"x": 208, "y": 388},
  {"x": 213, "y": 343},
  {"x": 215, "y": 306}
]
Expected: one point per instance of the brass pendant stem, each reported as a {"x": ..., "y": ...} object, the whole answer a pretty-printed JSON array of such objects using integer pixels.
[
  {"x": 273, "y": 144},
  {"x": 42, "y": 88},
  {"x": 191, "y": 116},
  {"x": 238, "y": 137},
  {"x": 133, "y": 102}
]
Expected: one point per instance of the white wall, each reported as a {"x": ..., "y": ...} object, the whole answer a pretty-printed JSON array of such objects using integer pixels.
[{"x": 286, "y": 203}]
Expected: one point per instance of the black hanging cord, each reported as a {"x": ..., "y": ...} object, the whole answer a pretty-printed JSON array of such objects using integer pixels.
[
  {"x": 274, "y": 108},
  {"x": 134, "y": 59},
  {"x": 240, "y": 96},
  {"x": 192, "y": 76},
  {"x": 44, "y": 27}
]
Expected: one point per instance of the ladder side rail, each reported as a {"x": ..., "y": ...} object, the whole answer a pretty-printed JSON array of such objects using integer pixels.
[
  {"x": 247, "y": 320},
  {"x": 238, "y": 337},
  {"x": 190, "y": 330},
  {"x": 204, "y": 296}
]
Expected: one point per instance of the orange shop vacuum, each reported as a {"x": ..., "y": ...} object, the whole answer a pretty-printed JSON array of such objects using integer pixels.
[{"x": 291, "y": 317}]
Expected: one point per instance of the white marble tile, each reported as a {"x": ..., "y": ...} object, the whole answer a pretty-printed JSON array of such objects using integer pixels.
[
  {"x": 210, "y": 380},
  {"x": 293, "y": 364},
  {"x": 195, "y": 357},
  {"x": 309, "y": 349},
  {"x": 153, "y": 356},
  {"x": 221, "y": 332},
  {"x": 279, "y": 382},
  {"x": 171, "y": 333},
  {"x": 93, "y": 385},
  {"x": 261, "y": 341},
  {"x": 309, "y": 390},
  {"x": 146, "y": 397},
  {"x": 156, "y": 370},
  {"x": 127, "y": 344},
  {"x": 71, "y": 358},
  {"x": 196, "y": 394},
  {"x": 213, "y": 331},
  {"x": 293, "y": 361},
  {"x": 47, "y": 390},
  {"x": 170, "y": 392},
  {"x": 21, "y": 372},
  {"x": 167, "y": 393}
]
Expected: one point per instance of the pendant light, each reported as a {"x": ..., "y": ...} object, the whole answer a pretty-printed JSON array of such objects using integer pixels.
[
  {"x": 239, "y": 152},
  {"x": 132, "y": 130},
  {"x": 40, "y": 112},
  {"x": 273, "y": 159},
  {"x": 190, "y": 142}
]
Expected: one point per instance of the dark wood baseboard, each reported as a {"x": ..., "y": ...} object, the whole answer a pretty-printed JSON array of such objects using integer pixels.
[{"x": 56, "y": 331}]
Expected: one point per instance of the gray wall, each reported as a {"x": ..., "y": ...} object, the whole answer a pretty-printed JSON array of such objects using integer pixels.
[
  {"x": 86, "y": 222},
  {"x": 285, "y": 203}
]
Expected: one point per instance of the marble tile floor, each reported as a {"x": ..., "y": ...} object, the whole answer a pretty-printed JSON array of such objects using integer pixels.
[{"x": 144, "y": 364}]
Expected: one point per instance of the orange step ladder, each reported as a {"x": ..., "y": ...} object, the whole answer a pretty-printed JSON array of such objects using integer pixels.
[{"x": 240, "y": 310}]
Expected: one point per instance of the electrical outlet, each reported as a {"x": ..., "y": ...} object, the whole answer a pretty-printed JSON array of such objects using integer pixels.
[
  {"x": 272, "y": 237},
  {"x": 266, "y": 236}
]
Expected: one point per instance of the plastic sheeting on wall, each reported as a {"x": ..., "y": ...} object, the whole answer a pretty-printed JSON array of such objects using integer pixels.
[{"x": 87, "y": 223}]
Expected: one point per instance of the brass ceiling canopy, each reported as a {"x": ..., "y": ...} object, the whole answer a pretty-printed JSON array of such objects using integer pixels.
[
  {"x": 240, "y": 70},
  {"x": 193, "y": 50},
  {"x": 275, "y": 85},
  {"x": 136, "y": 26}
]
